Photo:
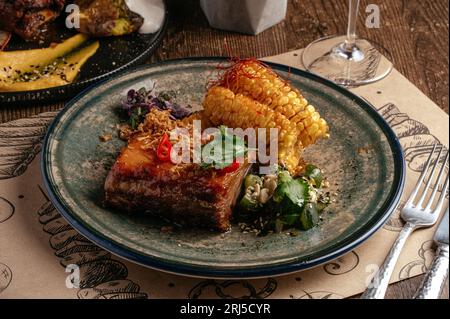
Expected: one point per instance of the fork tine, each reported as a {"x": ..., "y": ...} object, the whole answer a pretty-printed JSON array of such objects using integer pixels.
[
  {"x": 442, "y": 197},
  {"x": 438, "y": 181},
  {"x": 421, "y": 178},
  {"x": 430, "y": 179}
]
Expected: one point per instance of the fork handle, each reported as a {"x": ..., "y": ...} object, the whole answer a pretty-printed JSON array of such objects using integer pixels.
[
  {"x": 378, "y": 285},
  {"x": 434, "y": 280}
]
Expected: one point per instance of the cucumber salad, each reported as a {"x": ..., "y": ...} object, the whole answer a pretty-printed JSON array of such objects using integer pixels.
[{"x": 278, "y": 202}]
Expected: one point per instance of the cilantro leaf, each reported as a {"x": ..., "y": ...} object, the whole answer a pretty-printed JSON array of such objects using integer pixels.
[
  {"x": 229, "y": 148},
  {"x": 291, "y": 195}
]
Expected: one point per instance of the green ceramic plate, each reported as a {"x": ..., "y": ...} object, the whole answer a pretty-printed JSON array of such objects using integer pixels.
[{"x": 368, "y": 183}]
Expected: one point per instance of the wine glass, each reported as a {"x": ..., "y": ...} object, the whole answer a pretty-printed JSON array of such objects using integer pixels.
[{"x": 347, "y": 60}]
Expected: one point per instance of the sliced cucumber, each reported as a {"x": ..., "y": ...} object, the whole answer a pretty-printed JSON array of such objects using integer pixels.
[
  {"x": 309, "y": 216},
  {"x": 248, "y": 203}
]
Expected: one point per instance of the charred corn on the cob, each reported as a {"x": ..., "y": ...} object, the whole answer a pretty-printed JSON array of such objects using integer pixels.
[
  {"x": 253, "y": 79},
  {"x": 223, "y": 107}
]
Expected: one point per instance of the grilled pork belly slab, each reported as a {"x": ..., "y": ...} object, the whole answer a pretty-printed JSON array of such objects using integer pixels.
[{"x": 184, "y": 193}]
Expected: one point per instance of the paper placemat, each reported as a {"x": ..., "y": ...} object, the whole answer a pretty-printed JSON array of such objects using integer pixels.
[{"x": 35, "y": 239}]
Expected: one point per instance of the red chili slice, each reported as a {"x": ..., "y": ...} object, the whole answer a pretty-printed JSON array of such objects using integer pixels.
[
  {"x": 230, "y": 168},
  {"x": 164, "y": 149}
]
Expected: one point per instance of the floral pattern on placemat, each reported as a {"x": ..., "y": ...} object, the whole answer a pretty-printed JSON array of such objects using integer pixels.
[{"x": 100, "y": 275}]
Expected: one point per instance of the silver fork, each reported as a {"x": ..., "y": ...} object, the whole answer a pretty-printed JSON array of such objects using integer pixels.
[{"x": 416, "y": 216}]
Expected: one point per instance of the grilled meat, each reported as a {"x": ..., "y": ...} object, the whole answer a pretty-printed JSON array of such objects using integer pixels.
[
  {"x": 184, "y": 193},
  {"x": 29, "y": 18},
  {"x": 137, "y": 182},
  {"x": 102, "y": 18}
]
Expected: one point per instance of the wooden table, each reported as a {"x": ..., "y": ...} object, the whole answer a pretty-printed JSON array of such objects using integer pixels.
[{"x": 416, "y": 32}]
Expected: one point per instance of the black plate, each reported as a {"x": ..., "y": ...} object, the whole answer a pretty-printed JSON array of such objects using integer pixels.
[{"x": 114, "y": 55}]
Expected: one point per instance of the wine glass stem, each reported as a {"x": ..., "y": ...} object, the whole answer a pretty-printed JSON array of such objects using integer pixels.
[{"x": 351, "y": 29}]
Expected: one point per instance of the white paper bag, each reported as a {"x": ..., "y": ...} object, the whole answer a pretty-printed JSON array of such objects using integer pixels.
[{"x": 246, "y": 16}]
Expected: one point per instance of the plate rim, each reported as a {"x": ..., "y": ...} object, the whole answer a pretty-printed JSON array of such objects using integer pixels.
[
  {"x": 353, "y": 240},
  {"x": 71, "y": 90}
]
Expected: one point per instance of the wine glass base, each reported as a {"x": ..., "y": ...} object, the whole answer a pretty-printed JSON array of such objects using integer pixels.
[{"x": 365, "y": 63}]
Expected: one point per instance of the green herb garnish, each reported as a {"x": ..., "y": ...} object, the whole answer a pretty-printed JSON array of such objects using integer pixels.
[
  {"x": 137, "y": 116},
  {"x": 290, "y": 195},
  {"x": 222, "y": 150}
]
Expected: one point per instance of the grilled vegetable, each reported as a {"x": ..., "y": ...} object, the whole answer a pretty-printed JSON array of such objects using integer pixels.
[
  {"x": 250, "y": 94},
  {"x": 253, "y": 79},
  {"x": 222, "y": 106},
  {"x": 102, "y": 18}
]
